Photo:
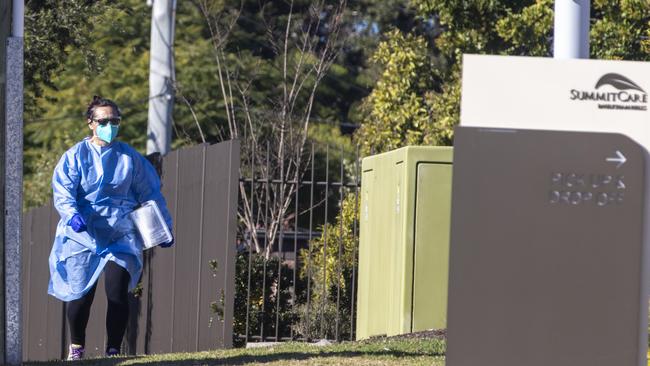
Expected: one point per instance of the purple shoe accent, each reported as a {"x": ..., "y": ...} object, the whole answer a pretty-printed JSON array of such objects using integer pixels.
[
  {"x": 75, "y": 352},
  {"x": 111, "y": 352}
]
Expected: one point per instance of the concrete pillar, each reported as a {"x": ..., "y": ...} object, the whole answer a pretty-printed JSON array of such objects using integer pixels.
[
  {"x": 13, "y": 200},
  {"x": 13, "y": 187}
]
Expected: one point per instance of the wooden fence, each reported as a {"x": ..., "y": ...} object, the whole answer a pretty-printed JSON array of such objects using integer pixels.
[{"x": 187, "y": 291}]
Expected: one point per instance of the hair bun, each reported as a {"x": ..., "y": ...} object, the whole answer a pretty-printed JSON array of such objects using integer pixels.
[{"x": 98, "y": 101}]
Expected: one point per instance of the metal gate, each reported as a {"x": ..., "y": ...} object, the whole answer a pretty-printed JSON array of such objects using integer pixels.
[{"x": 301, "y": 285}]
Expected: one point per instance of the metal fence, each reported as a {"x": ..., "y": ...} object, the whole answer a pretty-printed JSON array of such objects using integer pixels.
[
  {"x": 301, "y": 285},
  {"x": 185, "y": 299}
]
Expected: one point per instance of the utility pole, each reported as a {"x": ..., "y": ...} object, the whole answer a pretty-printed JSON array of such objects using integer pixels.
[
  {"x": 571, "y": 35},
  {"x": 161, "y": 76},
  {"x": 11, "y": 166}
]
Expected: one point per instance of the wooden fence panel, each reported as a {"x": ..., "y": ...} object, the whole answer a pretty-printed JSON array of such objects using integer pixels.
[
  {"x": 55, "y": 308},
  {"x": 39, "y": 274},
  {"x": 216, "y": 285},
  {"x": 25, "y": 275},
  {"x": 161, "y": 271},
  {"x": 186, "y": 287}
]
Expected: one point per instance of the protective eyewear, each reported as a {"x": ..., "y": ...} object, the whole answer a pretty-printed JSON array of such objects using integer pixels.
[{"x": 115, "y": 121}]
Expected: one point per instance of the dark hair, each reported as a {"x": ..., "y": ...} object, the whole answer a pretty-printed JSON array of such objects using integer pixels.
[{"x": 98, "y": 101}]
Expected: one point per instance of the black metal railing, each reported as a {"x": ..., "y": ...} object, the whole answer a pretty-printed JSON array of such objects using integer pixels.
[{"x": 299, "y": 284}]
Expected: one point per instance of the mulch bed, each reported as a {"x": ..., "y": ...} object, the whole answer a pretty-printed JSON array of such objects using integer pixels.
[{"x": 431, "y": 333}]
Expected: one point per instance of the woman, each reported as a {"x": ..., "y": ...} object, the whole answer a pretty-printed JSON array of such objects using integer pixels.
[{"x": 96, "y": 184}]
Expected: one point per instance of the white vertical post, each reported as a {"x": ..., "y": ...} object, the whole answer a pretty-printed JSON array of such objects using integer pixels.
[
  {"x": 161, "y": 77},
  {"x": 571, "y": 35},
  {"x": 18, "y": 18}
]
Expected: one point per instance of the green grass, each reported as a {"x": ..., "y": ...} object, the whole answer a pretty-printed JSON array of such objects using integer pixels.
[{"x": 376, "y": 352}]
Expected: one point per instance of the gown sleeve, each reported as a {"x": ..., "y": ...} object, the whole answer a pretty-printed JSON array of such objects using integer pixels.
[
  {"x": 147, "y": 186},
  {"x": 65, "y": 182}
]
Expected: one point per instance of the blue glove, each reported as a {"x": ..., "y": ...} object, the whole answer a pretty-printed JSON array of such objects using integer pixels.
[
  {"x": 167, "y": 244},
  {"x": 77, "y": 223}
]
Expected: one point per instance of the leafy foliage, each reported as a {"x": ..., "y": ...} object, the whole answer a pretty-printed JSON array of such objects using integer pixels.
[
  {"x": 52, "y": 29},
  {"x": 527, "y": 32},
  {"x": 397, "y": 110},
  {"x": 620, "y": 30}
]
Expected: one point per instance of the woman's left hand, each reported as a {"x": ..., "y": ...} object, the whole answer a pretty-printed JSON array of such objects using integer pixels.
[{"x": 167, "y": 244}]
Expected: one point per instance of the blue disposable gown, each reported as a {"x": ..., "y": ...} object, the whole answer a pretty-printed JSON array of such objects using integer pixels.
[{"x": 103, "y": 185}]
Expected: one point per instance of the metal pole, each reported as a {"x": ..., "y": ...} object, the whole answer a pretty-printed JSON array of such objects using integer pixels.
[
  {"x": 571, "y": 35},
  {"x": 161, "y": 77},
  {"x": 324, "y": 295},
  {"x": 18, "y": 18},
  {"x": 13, "y": 197},
  {"x": 311, "y": 227}
]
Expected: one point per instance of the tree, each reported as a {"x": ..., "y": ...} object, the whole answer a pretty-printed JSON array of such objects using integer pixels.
[
  {"x": 620, "y": 30},
  {"x": 52, "y": 29},
  {"x": 397, "y": 110}
]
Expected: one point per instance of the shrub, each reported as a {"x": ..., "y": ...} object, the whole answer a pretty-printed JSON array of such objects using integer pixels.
[{"x": 265, "y": 308}]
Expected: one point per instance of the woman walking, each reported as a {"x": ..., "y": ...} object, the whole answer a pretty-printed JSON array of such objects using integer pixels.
[{"x": 96, "y": 184}]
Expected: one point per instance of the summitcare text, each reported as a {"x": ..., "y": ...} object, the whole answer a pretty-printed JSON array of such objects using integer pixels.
[{"x": 612, "y": 97}]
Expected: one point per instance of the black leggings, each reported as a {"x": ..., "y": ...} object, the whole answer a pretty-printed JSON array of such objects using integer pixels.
[{"x": 116, "y": 280}]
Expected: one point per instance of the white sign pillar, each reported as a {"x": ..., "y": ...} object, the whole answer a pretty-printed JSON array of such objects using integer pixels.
[{"x": 571, "y": 34}]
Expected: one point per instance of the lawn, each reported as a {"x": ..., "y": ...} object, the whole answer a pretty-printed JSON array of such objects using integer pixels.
[{"x": 381, "y": 351}]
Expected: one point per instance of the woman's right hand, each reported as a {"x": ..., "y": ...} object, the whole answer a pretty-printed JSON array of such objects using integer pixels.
[{"x": 77, "y": 223}]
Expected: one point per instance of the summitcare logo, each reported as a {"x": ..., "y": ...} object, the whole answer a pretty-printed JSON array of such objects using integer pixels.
[{"x": 614, "y": 91}]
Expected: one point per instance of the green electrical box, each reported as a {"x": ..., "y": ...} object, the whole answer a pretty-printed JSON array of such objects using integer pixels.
[{"x": 404, "y": 241}]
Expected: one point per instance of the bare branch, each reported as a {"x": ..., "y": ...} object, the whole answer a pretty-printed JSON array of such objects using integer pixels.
[
  {"x": 196, "y": 120},
  {"x": 247, "y": 218},
  {"x": 219, "y": 39}
]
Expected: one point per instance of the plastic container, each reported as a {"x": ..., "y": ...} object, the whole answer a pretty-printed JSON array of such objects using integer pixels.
[{"x": 151, "y": 225}]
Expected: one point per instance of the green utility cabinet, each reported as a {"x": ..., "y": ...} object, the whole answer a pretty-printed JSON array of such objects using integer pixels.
[{"x": 404, "y": 241}]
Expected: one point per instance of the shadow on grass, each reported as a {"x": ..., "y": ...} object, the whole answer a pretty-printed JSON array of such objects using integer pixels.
[{"x": 237, "y": 359}]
